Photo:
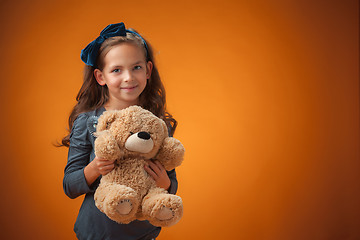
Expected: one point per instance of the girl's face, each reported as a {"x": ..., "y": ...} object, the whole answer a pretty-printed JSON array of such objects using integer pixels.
[{"x": 125, "y": 73}]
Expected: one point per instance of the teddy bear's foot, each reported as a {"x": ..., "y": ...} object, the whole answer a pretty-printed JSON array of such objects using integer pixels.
[
  {"x": 165, "y": 213},
  {"x": 161, "y": 208},
  {"x": 124, "y": 207},
  {"x": 118, "y": 202}
]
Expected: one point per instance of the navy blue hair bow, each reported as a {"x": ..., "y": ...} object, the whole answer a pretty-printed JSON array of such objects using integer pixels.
[{"x": 90, "y": 52}]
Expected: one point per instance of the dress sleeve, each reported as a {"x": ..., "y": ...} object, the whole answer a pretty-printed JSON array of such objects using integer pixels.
[
  {"x": 80, "y": 148},
  {"x": 172, "y": 174},
  {"x": 174, "y": 183}
]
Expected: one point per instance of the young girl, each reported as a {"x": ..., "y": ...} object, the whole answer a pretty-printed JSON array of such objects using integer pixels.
[{"x": 120, "y": 71}]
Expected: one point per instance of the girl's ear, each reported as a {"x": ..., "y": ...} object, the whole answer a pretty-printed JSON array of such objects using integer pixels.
[
  {"x": 99, "y": 77},
  {"x": 149, "y": 67}
]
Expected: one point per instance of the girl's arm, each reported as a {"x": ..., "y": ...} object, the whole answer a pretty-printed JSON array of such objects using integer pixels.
[{"x": 75, "y": 182}]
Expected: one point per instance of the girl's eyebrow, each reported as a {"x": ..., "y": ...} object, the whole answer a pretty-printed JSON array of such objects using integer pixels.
[
  {"x": 116, "y": 66},
  {"x": 136, "y": 63}
]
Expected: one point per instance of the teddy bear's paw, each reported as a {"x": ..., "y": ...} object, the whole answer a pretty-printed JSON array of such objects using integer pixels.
[
  {"x": 165, "y": 213},
  {"x": 162, "y": 209},
  {"x": 124, "y": 207},
  {"x": 119, "y": 202},
  {"x": 106, "y": 146}
]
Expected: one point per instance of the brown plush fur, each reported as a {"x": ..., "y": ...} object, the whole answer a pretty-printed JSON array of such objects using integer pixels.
[{"x": 128, "y": 192}]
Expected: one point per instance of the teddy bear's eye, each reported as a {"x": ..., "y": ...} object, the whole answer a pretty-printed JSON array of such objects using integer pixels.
[
  {"x": 131, "y": 133},
  {"x": 108, "y": 125}
]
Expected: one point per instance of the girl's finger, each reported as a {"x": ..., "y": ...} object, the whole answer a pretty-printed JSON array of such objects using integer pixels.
[
  {"x": 151, "y": 172},
  {"x": 155, "y": 167},
  {"x": 106, "y": 169},
  {"x": 107, "y": 166},
  {"x": 104, "y": 161},
  {"x": 110, "y": 166},
  {"x": 160, "y": 166}
]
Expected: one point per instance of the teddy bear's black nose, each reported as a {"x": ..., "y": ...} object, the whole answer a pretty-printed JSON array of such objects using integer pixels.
[{"x": 144, "y": 135}]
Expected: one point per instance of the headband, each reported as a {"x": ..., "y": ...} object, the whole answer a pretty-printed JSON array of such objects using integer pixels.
[{"x": 90, "y": 52}]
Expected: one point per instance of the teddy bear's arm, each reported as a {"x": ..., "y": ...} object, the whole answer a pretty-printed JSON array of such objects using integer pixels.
[
  {"x": 171, "y": 154},
  {"x": 106, "y": 146}
]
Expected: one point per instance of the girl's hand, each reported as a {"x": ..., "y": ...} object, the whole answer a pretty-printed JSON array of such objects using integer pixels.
[
  {"x": 97, "y": 167},
  {"x": 157, "y": 171},
  {"x": 102, "y": 166}
]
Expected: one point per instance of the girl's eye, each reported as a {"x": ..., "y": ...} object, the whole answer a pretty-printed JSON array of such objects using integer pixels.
[
  {"x": 116, "y": 70},
  {"x": 137, "y": 67}
]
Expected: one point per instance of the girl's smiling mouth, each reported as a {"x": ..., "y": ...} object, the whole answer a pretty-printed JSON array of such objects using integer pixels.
[{"x": 129, "y": 88}]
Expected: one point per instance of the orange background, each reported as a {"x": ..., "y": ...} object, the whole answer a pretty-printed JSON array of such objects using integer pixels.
[{"x": 266, "y": 94}]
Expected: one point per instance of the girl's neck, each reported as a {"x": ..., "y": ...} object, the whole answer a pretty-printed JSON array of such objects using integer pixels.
[{"x": 112, "y": 104}]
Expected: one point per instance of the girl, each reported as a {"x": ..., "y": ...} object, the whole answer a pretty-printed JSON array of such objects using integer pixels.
[{"x": 120, "y": 71}]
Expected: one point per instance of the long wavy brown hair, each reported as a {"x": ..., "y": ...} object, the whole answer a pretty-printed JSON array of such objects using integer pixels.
[{"x": 92, "y": 96}]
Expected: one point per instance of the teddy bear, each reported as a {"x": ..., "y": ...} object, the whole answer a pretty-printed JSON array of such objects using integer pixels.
[{"x": 130, "y": 137}]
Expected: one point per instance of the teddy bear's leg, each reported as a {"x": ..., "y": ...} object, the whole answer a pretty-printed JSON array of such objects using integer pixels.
[
  {"x": 120, "y": 203},
  {"x": 161, "y": 208}
]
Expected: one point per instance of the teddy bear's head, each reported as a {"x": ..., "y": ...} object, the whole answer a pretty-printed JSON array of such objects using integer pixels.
[{"x": 137, "y": 131}]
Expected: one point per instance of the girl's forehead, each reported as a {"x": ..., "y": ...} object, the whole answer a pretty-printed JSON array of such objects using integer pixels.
[{"x": 124, "y": 54}]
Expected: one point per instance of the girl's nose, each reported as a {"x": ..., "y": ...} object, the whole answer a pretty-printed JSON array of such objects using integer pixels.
[{"x": 127, "y": 76}]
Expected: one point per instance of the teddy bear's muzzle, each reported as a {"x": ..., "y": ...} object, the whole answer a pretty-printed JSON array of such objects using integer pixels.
[{"x": 139, "y": 142}]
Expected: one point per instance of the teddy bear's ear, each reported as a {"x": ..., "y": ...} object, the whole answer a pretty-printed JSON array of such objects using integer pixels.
[
  {"x": 106, "y": 119},
  {"x": 171, "y": 153}
]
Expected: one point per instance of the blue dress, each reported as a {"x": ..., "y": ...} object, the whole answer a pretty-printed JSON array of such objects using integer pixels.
[{"x": 91, "y": 224}]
